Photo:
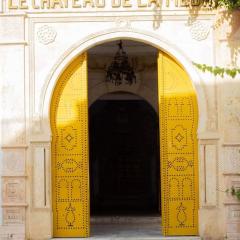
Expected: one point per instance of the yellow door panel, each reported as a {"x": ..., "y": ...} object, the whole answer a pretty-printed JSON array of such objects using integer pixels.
[
  {"x": 178, "y": 114},
  {"x": 69, "y": 123}
]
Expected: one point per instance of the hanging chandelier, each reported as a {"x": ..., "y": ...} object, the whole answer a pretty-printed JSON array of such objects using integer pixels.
[{"x": 120, "y": 71}]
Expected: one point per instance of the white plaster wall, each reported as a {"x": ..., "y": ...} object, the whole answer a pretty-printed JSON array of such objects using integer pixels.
[
  {"x": 1, "y": 157},
  {"x": 228, "y": 55},
  {"x": 1, "y": 212},
  {"x": 40, "y": 46},
  {"x": 13, "y": 126}
]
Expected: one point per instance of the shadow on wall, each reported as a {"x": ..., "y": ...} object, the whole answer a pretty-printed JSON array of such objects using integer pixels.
[
  {"x": 228, "y": 28},
  {"x": 157, "y": 16},
  {"x": 192, "y": 6}
]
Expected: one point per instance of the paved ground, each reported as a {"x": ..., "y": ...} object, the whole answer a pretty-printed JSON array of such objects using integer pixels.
[
  {"x": 126, "y": 228},
  {"x": 120, "y": 228}
]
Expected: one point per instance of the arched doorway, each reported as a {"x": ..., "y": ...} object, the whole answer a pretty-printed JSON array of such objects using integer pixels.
[
  {"x": 124, "y": 143},
  {"x": 178, "y": 143}
]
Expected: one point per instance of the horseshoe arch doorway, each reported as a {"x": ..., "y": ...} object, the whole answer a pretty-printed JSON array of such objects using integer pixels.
[{"x": 178, "y": 116}]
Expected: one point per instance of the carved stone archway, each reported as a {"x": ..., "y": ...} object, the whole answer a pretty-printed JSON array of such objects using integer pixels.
[{"x": 107, "y": 36}]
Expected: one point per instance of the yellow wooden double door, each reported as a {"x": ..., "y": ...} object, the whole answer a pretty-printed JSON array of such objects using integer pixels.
[{"x": 178, "y": 115}]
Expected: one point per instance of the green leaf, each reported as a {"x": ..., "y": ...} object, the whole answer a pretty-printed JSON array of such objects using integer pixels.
[{"x": 218, "y": 70}]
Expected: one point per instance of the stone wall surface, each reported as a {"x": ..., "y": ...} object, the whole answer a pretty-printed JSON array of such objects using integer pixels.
[
  {"x": 35, "y": 47},
  {"x": 228, "y": 55},
  {"x": 13, "y": 126}
]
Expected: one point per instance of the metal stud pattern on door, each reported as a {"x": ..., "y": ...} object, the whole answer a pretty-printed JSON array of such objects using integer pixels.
[
  {"x": 178, "y": 114},
  {"x": 69, "y": 123}
]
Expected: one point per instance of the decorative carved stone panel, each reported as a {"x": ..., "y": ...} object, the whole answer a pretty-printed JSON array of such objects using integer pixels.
[
  {"x": 12, "y": 89},
  {"x": 13, "y": 190},
  {"x": 14, "y": 215},
  {"x": 46, "y": 34},
  {"x": 233, "y": 222},
  {"x": 13, "y": 161},
  {"x": 231, "y": 160},
  {"x": 231, "y": 114},
  {"x": 234, "y": 214},
  {"x": 16, "y": 232},
  {"x": 123, "y": 22},
  {"x": 199, "y": 30},
  {"x": 232, "y": 181},
  {"x": 11, "y": 28}
]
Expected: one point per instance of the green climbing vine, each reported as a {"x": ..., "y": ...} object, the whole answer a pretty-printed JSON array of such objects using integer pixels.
[
  {"x": 218, "y": 71},
  {"x": 235, "y": 192},
  {"x": 229, "y": 4}
]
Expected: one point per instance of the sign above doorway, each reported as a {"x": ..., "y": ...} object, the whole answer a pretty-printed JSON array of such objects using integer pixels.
[{"x": 97, "y": 4}]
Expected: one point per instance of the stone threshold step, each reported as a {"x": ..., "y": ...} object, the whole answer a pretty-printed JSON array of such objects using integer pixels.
[
  {"x": 125, "y": 220},
  {"x": 132, "y": 238}
]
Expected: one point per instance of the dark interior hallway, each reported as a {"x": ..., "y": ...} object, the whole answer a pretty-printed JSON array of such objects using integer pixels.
[{"x": 124, "y": 158}]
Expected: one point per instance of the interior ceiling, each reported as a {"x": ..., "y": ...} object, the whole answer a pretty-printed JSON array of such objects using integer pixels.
[{"x": 131, "y": 47}]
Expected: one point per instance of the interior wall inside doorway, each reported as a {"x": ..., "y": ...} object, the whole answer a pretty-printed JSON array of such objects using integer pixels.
[{"x": 143, "y": 58}]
